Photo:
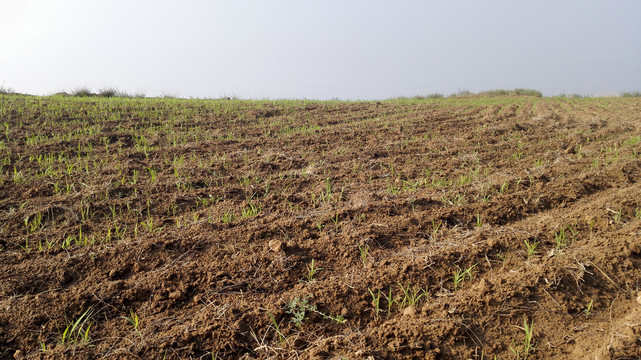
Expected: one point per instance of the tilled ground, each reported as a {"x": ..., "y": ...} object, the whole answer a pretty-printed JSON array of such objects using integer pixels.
[{"x": 184, "y": 229}]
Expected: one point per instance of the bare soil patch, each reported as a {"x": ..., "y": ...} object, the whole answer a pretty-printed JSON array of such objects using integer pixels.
[{"x": 431, "y": 229}]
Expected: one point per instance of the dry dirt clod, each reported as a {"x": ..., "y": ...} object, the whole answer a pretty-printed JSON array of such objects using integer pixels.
[
  {"x": 409, "y": 311},
  {"x": 177, "y": 295},
  {"x": 18, "y": 354},
  {"x": 277, "y": 245},
  {"x": 639, "y": 297}
]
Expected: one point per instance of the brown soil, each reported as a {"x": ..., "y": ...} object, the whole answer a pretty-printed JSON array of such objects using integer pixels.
[{"x": 389, "y": 200}]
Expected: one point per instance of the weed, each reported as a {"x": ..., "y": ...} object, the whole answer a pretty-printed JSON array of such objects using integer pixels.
[{"x": 298, "y": 309}]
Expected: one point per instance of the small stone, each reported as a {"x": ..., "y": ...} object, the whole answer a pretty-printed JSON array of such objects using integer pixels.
[
  {"x": 344, "y": 312},
  {"x": 277, "y": 245},
  {"x": 18, "y": 354},
  {"x": 639, "y": 297}
]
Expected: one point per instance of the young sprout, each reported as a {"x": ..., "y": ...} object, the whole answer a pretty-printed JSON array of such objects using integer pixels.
[
  {"x": 524, "y": 351},
  {"x": 364, "y": 254},
  {"x": 311, "y": 271},
  {"x": 531, "y": 247}
]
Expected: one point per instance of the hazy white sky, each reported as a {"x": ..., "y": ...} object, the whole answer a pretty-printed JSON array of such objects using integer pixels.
[{"x": 344, "y": 49}]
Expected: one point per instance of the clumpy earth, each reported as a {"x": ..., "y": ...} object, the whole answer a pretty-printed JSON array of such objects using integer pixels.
[{"x": 469, "y": 228}]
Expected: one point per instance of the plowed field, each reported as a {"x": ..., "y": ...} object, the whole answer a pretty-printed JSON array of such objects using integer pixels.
[{"x": 431, "y": 229}]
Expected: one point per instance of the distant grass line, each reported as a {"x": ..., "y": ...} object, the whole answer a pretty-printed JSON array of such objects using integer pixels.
[
  {"x": 631, "y": 94},
  {"x": 7, "y": 90},
  {"x": 105, "y": 92},
  {"x": 515, "y": 92},
  {"x": 465, "y": 93},
  {"x": 111, "y": 92}
]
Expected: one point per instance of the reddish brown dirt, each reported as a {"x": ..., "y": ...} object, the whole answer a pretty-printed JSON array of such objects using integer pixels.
[{"x": 389, "y": 197}]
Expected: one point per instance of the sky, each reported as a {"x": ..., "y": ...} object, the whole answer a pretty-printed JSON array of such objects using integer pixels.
[{"x": 330, "y": 49}]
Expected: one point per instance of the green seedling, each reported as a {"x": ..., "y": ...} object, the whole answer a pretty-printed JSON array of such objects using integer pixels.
[
  {"x": 152, "y": 174},
  {"x": 505, "y": 187},
  {"x": 412, "y": 295},
  {"x": 436, "y": 226},
  {"x": 376, "y": 302},
  {"x": 457, "y": 199},
  {"x": 617, "y": 216},
  {"x": 149, "y": 225},
  {"x": 77, "y": 331},
  {"x": 250, "y": 211},
  {"x": 35, "y": 224},
  {"x": 18, "y": 177},
  {"x": 311, "y": 271},
  {"x": 503, "y": 255},
  {"x": 26, "y": 247},
  {"x": 479, "y": 222},
  {"x": 134, "y": 178},
  {"x": 390, "y": 301},
  {"x": 530, "y": 247},
  {"x": 524, "y": 351},
  {"x": 281, "y": 337},
  {"x": 326, "y": 194},
  {"x": 588, "y": 308},
  {"x": 560, "y": 239},
  {"x": 335, "y": 219},
  {"x": 133, "y": 320},
  {"x": 228, "y": 217},
  {"x": 364, "y": 254},
  {"x": 459, "y": 275}
]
